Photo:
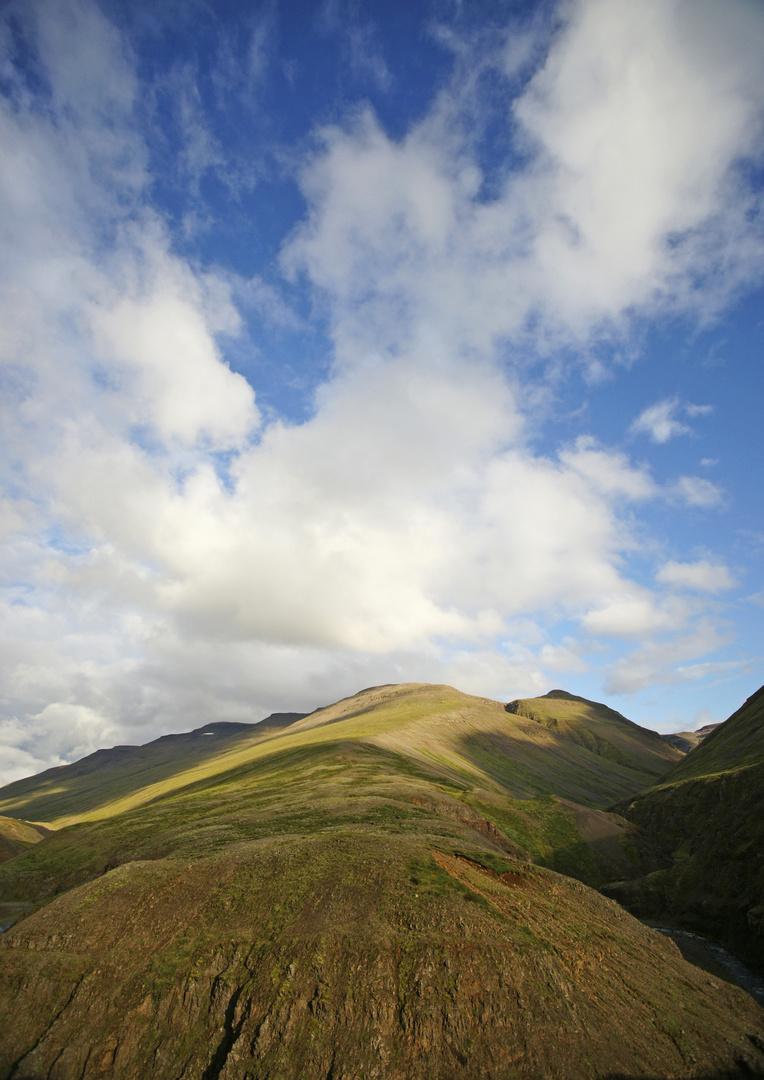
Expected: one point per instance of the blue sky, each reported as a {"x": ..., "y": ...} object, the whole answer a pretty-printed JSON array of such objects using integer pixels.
[{"x": 349, "y": 343}]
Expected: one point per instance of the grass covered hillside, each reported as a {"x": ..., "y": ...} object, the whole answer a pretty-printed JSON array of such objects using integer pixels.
[
  {"x": 688, "y": 740},
  {"x": 472, "y": 741},
  {"x": 732, "y": 745},
  {"x": 357, "y": 895},
  {"x": 707, "y": 817},
  {"x": 18, "y": 836},
  {"x": 600, "y": 730},
  {"x": 69, "y": 791}
]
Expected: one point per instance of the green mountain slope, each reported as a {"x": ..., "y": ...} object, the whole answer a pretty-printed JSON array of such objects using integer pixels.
[
  {"x": 707, "y": 818},
  {"x": 688, "y": 740},
  {"x": 734, "y": 744},
  {"x": 322, "y": 905},
  {"x": 69, "y": 791},
  {"x": 17, "y": 836},
  {"x": 470, "y": 741},
  {"x": 601, "y": 730}
]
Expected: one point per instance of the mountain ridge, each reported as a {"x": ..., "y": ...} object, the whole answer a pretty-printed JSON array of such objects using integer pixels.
[
  {"x": 341, "y": 900},
  {"x": 705, "y": 819},
  {"x": 466, "y": 738}
]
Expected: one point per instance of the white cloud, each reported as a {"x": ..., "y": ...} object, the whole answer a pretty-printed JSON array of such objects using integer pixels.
[
  {"x": 635, "y": 613},
  {"x": 701, "y": 576},
  {"x": 563, "y": 658},
  {"x": 609, "y": 473},
  {"x": 711, "y": 668},
  {"x": 663, "y": 661},
  {"x": 696, "y": 491},
  {"x": 172, "y": 558},
  {"x": 641, "y": 109},
  {"x": 154, "y": 337},
  {"x": 637, "y": 118},
  {"x": 659, "y": 421},
  {"x": 85, "y": 58},
  {"x": 703, "y": 717},
  {"x": 255, "y": 293}
]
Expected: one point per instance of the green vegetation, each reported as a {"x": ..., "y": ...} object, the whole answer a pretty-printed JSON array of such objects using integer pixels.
[
  {"x": 429, "y": 879},
  {"x": 704, "y": 827},
  {"x": 467, "y": 742},
  {"x": 733, "y": 745},
  {"x": 368, "y": 891},
  {"x": 546, "y": 830},
  {"x": 17, "y": 836},
  {"x": 685, "y": 741},
  {"x": 601, "y": 730}
]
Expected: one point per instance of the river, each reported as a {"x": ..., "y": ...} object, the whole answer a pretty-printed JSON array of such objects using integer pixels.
[{"x": 713, "y": 958}]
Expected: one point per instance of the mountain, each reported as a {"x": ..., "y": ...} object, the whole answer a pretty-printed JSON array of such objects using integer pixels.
[
  {"x": 602, "y": 731},
  {"x": 472, "y": 740},
  {"x": 359, "y": 893},
  {"x": 706, "y": 817},
  {"x": 733, "y": 745},
  {"x": 67, "y": 792},
  {"x": 17, "y": 836},
  {"x": 688, "y": 740}
]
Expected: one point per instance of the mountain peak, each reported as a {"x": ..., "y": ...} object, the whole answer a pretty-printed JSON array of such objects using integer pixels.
[{"x": 563, "y": 695}]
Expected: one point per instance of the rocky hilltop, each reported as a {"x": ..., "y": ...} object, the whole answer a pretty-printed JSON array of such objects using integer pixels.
[{"x": 371, "y": 890}]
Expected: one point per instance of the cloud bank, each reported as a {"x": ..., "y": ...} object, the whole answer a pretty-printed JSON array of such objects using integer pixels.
[{"x": 173, "y": 554}]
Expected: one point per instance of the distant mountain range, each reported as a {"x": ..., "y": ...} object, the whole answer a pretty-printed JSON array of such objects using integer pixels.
[
  {"x": 688, "y": 740},
  {"x": 400, "y": 885}
]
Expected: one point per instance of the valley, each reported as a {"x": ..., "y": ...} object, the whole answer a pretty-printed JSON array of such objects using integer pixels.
[{"x": 402, "y": 884}]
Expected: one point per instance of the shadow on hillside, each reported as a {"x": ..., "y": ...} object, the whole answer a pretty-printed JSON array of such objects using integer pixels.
[{"x": 526, "y": 769}]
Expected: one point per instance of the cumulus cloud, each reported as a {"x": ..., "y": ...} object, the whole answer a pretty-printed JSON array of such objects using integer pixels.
[
  {"x": 640, "y": 111},
  {"x": 659, "y": 421},
  {"x": 172, "y": 556},
  {"x": 696, "y": 491},
  {"x": 701, "y": 576},
  {"x": 155, "y": 338},
  {"x": 662, "y": 662},
  {"x": 635, "y": 613},
  {"x": 638, "y": 118}
]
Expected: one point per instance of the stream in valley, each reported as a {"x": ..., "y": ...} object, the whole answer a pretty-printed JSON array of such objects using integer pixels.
[{"x": 713, "y": 958}]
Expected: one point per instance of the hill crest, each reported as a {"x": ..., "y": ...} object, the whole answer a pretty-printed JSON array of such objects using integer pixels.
[
  {"x": 357, "y": 894},
  {"x": 568, "y": 747}
]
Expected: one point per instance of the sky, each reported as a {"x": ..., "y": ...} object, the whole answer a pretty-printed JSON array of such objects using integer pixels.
[{"x": 350, "y": 343}]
